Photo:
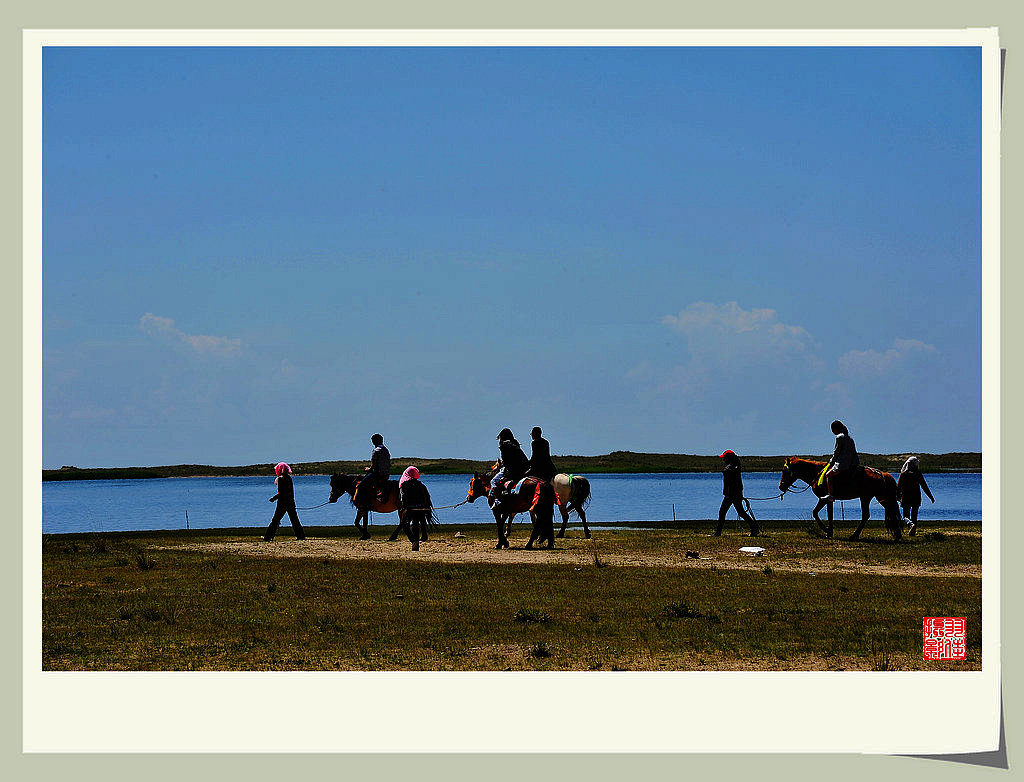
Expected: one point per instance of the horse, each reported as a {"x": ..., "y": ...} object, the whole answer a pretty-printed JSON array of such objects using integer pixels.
[
  {"x": 868, "y": 483},
  {"x": 572, "y": 493},
  {"x": 531, "y": 494},
  {"x": 384, "y": 502}
]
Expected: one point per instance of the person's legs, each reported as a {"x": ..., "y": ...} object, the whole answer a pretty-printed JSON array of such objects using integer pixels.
[
  {"x": 274, "y": 523},
  {"x": 296, "y": 526},
  {"x": 726, "y": 502},
  {"x": 754, "y": 529}
]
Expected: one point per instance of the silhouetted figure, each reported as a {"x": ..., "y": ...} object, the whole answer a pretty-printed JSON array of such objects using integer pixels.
[
  {"x": 415, "y": 508},
  {"x": 908, "y": 491},
  {"x": 844, "y": 460},
  {"x": 377, "y": 474},
  {"x": 285, "y": 498},
  {"x": 514, "y": 465},
  {"x": 541, "y": 465},
  {"x": 732, "y": 493}
]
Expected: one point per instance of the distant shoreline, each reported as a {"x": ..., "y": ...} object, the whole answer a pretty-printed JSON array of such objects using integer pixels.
[{"x": 617, "y": 462}]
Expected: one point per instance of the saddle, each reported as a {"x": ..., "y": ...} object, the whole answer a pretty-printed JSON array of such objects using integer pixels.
[
  {"x": 381, "y": 495},
  {"x": 847, "y": 483}
]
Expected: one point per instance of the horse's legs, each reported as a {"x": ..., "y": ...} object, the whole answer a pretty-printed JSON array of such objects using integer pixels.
[
  {"x": 533, "y": 530},
  {"x": 583, "y": 517},
  {"x": 500, "y": 523},
  {"x": 403, "y": 526},
  {"x": 364, "y": 528},
  {"x": 564, "y": 510},
  {"x": 827, "y": 530},
  {"x": 865, "y": 513}
]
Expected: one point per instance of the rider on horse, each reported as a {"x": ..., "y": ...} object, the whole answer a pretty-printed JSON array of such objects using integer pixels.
[
  {"x": 844, "y": 460},
  {"x": 377, "y": 474},
  {"x": 541, "y": 465},
  {"x": 514, "y": 465}
]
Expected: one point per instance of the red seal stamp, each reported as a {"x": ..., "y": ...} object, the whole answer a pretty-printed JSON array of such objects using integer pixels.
[{"x": 945, "y": 638}]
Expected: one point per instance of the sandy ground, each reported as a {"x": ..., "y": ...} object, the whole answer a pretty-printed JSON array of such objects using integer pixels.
[{"x": 454, "y": 548}]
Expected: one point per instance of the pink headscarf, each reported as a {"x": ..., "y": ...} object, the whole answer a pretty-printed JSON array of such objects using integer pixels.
[
  {"x": 410, "y": 472},
  {"x": 280, "y": 469}
]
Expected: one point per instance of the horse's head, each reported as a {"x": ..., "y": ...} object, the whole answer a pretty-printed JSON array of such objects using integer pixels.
[
  {"x": 477, "y": 487},
  {"x": 787, "y": 479},
  {"x": 340, "y": 484}
]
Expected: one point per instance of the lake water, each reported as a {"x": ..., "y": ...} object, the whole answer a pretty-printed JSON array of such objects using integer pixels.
[{"x": 161, "y": 504}]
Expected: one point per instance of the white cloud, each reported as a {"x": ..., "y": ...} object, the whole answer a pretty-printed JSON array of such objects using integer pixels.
[
  {"x": 201, "y": 343},
  {"x": 728, "y": 334},
  {"x": 871, "y": 363}
]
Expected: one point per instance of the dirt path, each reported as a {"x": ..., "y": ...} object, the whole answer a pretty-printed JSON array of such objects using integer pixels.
[{"x": 454, "y": 549}]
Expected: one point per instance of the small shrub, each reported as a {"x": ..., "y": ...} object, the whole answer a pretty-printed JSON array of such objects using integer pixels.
[
  {"x": 100, "y": 546},
  {"x": 540, "y": 650},
  {"x": 532, "y": 615},
  {"x": 121, "y": 561},
  {"x": 144, "y": 562},
  {"x": 271, "y": 588},
  {"x": 881, "y": 658},
  {"x": 767, "y": 570},
  {"x": 934, "y": 536},
  {"x": 685, "y": 611}
]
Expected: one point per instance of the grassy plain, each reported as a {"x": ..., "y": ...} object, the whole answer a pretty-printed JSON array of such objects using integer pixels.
[{"x": 628, "y": 599}]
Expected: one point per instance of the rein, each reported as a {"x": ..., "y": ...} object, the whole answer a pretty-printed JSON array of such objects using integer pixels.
[{"x": 312, "y": 507}]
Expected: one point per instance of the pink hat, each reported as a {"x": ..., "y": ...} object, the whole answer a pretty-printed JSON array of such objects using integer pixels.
[
  {"x": 410, "y": 472},
  {"x": 281, "y": 468},
  {"x": 727, "y": 453}
]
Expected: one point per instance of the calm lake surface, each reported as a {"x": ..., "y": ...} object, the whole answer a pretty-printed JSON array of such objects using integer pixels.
[{"x": 161, "y": 504}]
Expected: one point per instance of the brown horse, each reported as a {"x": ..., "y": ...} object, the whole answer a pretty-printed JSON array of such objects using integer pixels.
[
  {"x": 386, "y": 501},
  {"x": 865, "y": 484},
  {"x": 532, "y": 495}
]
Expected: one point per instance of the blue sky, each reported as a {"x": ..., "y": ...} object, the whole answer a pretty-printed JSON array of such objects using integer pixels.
[{"x": 263, "y": 254}]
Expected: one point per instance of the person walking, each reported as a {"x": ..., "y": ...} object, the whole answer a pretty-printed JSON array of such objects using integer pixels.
[
  {"x": 732, "y": 494},
  {"x": 415, "y": 506},
  {"x": 908, "y": 491},
  {"x": 285, "y": 499}
]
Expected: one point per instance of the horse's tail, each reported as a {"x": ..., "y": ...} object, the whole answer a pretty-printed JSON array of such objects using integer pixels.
[
  {"x": 887, "y": 497},
  {"x": 579, "y": 494}
]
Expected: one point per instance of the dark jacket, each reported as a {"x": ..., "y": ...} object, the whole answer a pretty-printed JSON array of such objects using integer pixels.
[
  {"x": 285, "y": 491},
  {"x": 513, "y": 459},
  {"x": 414, "y": 496},
  {"x": 540, "y": 459},
  {"x": 380, "y": 462},
  {"x": 732, "y": 481},
  {"x": 908, "y": 488}
]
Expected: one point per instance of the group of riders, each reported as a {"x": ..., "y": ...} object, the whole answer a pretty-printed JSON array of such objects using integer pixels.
[{"x": 514, "y": 465}]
